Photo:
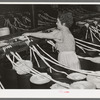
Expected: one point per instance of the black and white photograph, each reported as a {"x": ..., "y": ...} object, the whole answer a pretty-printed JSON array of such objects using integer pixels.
[{"x": 50, "y": 46}]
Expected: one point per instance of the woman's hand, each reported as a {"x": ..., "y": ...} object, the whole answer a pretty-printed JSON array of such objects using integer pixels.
[{"x": 51, "y": 43}]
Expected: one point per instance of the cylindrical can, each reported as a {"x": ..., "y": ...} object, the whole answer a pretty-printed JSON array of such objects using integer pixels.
[
  {"x": 10, "y": 79},
  {"x": 23, "y": 81},
  {"x": 40, "y": 82}
]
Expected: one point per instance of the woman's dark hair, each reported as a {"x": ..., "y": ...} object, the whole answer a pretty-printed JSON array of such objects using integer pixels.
[{"x": 66, "y": 17}]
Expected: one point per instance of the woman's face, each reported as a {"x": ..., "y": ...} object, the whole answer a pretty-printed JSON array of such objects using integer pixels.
[{"x": 58, "y": 23}]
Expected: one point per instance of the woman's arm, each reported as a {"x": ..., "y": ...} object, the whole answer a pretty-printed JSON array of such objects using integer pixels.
[{"x": 50, "y": 35}]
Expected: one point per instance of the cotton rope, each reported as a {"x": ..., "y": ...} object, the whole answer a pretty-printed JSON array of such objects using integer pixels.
[
  {"x": 88, "y": 47},
  {"x": 45, "y": 61},
  {"x": 80, "y": 71},
  {"x": 2, "y": 87},
  {"x": 33, "y": 71},
  {"x": 87, "y": 42},
  {"x": 35, "y": 58}
]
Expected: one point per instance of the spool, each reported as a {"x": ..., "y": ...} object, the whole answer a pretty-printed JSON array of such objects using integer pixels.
[
  {"x": 82, "y": 85},
  {"x": 37, "y": 82},
  {"x": 74, "y": 77},
  {"x": 95, "y": 80},
  {"x": 42, "y": 86},
  {"x": 23, "y": 74}
]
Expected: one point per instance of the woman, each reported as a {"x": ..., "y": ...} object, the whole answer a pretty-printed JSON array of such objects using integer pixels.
[{"x": 65, "y": 42}]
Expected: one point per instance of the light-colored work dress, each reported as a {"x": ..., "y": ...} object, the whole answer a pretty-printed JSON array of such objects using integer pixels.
[{"x": 67, "y": 55}]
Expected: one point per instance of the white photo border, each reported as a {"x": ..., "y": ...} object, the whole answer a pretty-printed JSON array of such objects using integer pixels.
[{"x": 9, "y": 93}]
